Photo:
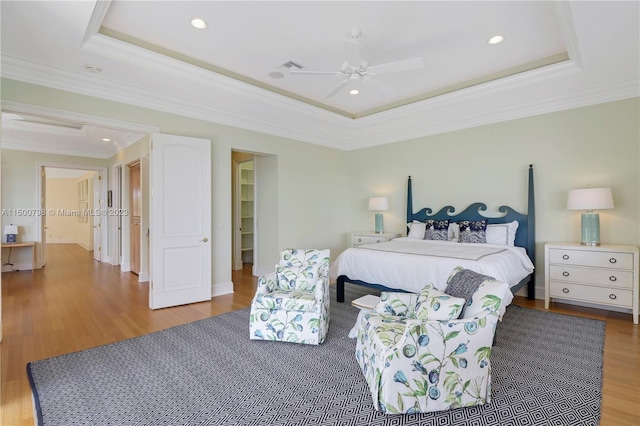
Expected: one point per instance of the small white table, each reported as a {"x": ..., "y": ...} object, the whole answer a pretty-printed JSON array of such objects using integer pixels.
[{"x": 366, "y": 304}]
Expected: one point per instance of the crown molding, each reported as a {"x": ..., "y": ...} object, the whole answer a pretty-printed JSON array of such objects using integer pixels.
[
  {"x": 30, "y": 146},
  {"x": 295, "y": 120}
]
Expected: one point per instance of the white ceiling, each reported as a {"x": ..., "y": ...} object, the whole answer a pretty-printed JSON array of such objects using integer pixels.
[{"x": 556, "y": 55}]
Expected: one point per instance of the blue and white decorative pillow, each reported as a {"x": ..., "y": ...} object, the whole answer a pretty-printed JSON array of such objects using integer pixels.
[
  {"x": 437, "y": 230},
  {"x": 473, "y": 231},
  {"x": 433, "y": 304}
]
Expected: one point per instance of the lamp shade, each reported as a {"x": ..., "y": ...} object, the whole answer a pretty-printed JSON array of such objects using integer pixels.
[
  {"x": 379, "y": 203},
  {"x": 10, "y": 229},
  {"x": 590, "y": 199}
]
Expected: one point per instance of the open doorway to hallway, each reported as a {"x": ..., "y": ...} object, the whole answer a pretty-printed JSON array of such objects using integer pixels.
[{"x": 71, "y": 196}]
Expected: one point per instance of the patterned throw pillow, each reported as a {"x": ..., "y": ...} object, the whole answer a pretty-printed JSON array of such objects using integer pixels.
[
  {"x": 298, "y": 277},
  {"x": 481, "y": 292},
  {"x": 473, "y": 231},
  {"x": 433, "y": 304},
  {"x": 437, "y": 230}
]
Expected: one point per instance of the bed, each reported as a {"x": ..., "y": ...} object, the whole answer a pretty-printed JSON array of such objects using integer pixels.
[{"x": 408, "y": 264}]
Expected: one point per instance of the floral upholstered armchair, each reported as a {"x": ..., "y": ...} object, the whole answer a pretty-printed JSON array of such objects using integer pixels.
[
  {"x": 292, "y": 303},
  {"x": 418, "y": 356}
]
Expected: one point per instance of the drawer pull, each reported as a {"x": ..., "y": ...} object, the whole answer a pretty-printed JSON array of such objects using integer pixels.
[
  {"x": 613, "y": 297},
  {"x": 566, "y": 257},
  {"x": 565, "y": 274},
  {"x": 378, "y": 241},
  {"x": 613, "y": 260},
  {"x": 566, "y": 290},
  {"x": 359, "y": 240},
  {"x": 613, "y": 278}
]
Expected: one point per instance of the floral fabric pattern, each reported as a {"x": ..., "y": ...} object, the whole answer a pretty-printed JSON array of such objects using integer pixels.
[
  {"x": 292, "y": 303},
  {"x": 473, "y": 231},
  {"x": 433, "y": 304},
  {"x": 437, "y": 230},
  {"x": 413, "y": 365}
]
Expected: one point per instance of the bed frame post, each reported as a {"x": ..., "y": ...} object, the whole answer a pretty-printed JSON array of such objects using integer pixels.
[
  {"x": 340, "y": 288},
  {"x": 531, "y": 234},
  {"x": 409, "y": 201}
]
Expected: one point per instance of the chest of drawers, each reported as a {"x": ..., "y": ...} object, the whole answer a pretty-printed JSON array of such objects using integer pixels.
[
  {"x": 605, "y": 275},
  {"x": 360, "y": 238}
]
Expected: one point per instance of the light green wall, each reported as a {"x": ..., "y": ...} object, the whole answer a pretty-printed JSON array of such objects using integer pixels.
[
  {"x": 322, "y": 193},
  {"x": 20, "y": 176},
  {"x": 310, "y": 179},
  {"x": 597, "y": 145}
]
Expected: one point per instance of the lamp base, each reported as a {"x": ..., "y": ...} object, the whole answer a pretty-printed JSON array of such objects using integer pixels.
[
  {"x": 590, "y": 229},
  {"x": 11, "y": 238},
  {"x": 379, "y": 223}
]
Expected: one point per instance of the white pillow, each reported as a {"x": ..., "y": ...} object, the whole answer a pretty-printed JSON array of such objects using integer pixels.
[
  {"x": 416, "y": 230},
  {"x": 502, "y": 233},
  {"x": 453, "y": 232}
]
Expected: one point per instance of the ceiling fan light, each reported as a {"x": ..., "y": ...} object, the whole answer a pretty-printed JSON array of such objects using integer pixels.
[
  {"x": 497, "y": 39},
  {"x": 199, "y": 24},
  {"x": 354, "y": 91}
]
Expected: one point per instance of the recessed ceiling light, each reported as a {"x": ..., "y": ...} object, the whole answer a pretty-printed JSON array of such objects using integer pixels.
[
  {"x": 106, "y": 140},
  {"x": 276, "y": 75},
  {"x": 354, "y": 91},
  {"x": 198, "y": 24},
  {"x": 496, "y": 39},
  {"x": 93, "y": 68}
]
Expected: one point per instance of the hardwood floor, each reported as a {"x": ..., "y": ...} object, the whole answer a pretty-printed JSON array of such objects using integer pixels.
[{"x": 75, "y": 303}]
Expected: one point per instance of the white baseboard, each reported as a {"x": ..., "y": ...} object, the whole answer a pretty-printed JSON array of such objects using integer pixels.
[
  {"x": 60, "y": 241},
  {"x": 143, "y": 277},
  {"x": 222, "y": 288},
  {"x": 125, "y": 267},
  {"x": 85, "y": 246}
]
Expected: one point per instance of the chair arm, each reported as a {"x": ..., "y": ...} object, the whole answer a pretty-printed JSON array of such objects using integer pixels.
[
  {"x": 267, "y": 283},
  {"x": 396, "y": 304},
  {"x": 448, "y": 340}
]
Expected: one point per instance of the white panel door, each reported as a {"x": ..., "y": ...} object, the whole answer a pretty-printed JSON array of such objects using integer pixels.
[{"x": 180, "y": 220}]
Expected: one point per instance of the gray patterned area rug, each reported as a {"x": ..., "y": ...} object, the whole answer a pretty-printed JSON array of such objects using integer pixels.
[{"x": 547, "y": 370}]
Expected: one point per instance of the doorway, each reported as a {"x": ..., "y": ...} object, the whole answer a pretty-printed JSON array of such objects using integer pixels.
[
  {"x": 73, "y": 208},
  {"x": 244, "y": 196}
]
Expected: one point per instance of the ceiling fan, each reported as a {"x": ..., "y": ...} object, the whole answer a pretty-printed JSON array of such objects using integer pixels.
[{"x": 357, "y": 69}]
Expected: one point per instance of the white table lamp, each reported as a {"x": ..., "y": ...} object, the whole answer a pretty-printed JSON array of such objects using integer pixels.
[
  {"x": 11, "y": 231},
  {"x": 379, "y": 204},
  {"x": 590, "y": 199}
]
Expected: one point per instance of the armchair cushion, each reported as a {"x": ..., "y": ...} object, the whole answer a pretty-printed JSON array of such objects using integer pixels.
[
  {"x": 302, "y": 277},
  {"x": 396, "y": 303},
  {"x": 291, "y": 300},
  {"x": 433, "y": 304}
]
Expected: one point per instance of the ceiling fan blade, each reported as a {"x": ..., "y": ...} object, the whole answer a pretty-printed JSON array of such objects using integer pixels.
[
  {"x": 336, "y": 89},
  {"x": 315, "y": 72},
  {"x": 378, "y": 86},
  {"x": 389, "y": 67}
]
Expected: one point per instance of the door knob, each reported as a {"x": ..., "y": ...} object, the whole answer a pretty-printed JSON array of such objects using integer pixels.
[{"x": 205, "y": 239}]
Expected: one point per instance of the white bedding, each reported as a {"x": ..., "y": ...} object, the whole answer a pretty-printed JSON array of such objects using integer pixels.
[{"x": 393, "y": 265}]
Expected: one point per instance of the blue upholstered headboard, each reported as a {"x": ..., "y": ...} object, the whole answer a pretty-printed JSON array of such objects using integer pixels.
[{"x": 525, "y": 235}]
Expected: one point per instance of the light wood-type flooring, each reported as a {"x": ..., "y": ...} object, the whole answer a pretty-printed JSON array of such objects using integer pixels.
[{"x": 75, "y": 303}]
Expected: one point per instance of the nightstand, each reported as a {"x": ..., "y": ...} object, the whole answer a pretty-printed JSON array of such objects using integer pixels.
[
  {"x": 605, "y": 275},
  {"x": 360, "y": 238}
]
